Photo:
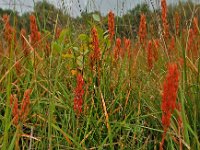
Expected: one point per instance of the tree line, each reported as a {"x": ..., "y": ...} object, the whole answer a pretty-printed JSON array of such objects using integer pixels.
[{"x": 127, "y": 25}]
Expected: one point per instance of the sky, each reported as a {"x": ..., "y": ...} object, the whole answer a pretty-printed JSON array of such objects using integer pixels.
[{"x": 74, "y": 7}]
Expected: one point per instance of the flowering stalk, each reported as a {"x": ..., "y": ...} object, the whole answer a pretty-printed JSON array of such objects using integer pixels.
[
  {"x": 117, "y": 49},
  {"x": 177, "y": 22},
  {"x": 195, "y": 26},
  {"x": 58, "y": 32},
  {"x": 168, "y": 105},
  {"x": 95, "y": 57},
  {"x": 35, "y": 34},
  {"x": 142, "y": 29},
  {"x": 191, "y": 39},
  {"x": 172, "y": 45},
  {"x": 18, "y": 68},
  {"x": 9, "y": 31},
  {"x": 164, "y": 18},
  {"x": 14, "y": 107},
  {"x": 25, "y": 106},
  {"x": 79, "y": 92},
  {"x": 111, "y": 25},
  {"x": 155, "y": 49},
  {"x": 127, "y": 45}
]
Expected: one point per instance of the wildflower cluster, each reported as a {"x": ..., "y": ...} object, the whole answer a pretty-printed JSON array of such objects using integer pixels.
[
  {"x": 35, "y": 34},
  {"x": 164, "y": 18},
  {"x": 142, "y": 29},
  {"x": 170, "y": 89},
  {"x": 117, "y": 49},
  {"x": 25, "y": 106},
  {"x": 111, "y": 25},
  {"x": 79, "y": 91},
  {"x": 9, "y": 31}
]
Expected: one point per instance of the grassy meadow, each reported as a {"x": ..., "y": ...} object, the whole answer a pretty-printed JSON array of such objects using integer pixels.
[{"x": 89, "y": 87}]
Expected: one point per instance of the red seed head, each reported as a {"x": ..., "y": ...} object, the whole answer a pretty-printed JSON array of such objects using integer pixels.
[
  {"x": 169, "y": 96},
  {"x": 164, "y": 10},
  {"x": 177, "y": 23},
  {"x": 95, "y": 43},
  {"x": 14, "y": 107},
  {"x": 35, "y": 34},
  {"x": 18, "y": 67},
  {"x": 58, "y": 31},
  {"x": 9, "y": 31},
  {"x": 172, "y": 45},
  {"x": 191, "y": 38},
  {"x": 127, "y": 45},
  {"x": 117, "y": 49},
  {"x": 25, "y": 105},
  {"x": 164, "y": 18},
  {"x": 79, "y": 92},
  {"x": 111, "y": 25},
  {"x": 195, "y": 26},
  {"x": 170, "y": 89},
  {"x": 142, "y": 28}
]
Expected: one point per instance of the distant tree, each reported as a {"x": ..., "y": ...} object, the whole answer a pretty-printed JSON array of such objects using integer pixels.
[
  {"x": 47, "y": 13},
  {"x": 14, "y": 17},
  {"x": 129, "y": 23}
]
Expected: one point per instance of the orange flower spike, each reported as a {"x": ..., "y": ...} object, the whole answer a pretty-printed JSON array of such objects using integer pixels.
[
  {"x": 95, "y": 44},
  {"x": 79, "y": 92},
  {"x": 164, "y": 18},
  {"x": 177, "y": 22},
  {"x": 111, "y": 25},
  {"x": 191, "y": 40},
  {"x": 25, "y": 104},
  {"x": 117, "y": 49},
  {"x": 127, "y": 44},
  {"x": 9, "y": 31},
  {"x": 18, "y": 68},
  {"x": 142, "y": 29},
  {"x": 58, "y": 32},
  {"x": 6, "y": 19},
  {"x": 195, "y": 26},
  {"x": 172, "y": 45},
  {"x": 35, "y": 34},
  {"x": 164, "y": 10},
  {"x": 14, "y": 107},
  {"x": 170, "y": 89}
]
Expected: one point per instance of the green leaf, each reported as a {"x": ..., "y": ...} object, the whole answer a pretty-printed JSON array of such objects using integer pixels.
[
  {"x": 85, "y": 52},
  {"x": 83, "y": 37},
  {"x": 80, "y": 61},
  {"x": 63, "y": 35},
  {"x": 67, "y": 56},
  {"x": 12, "y": 144},
  {"x": 57, "y": 47},
  {"x": 96, "y": 17}
]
